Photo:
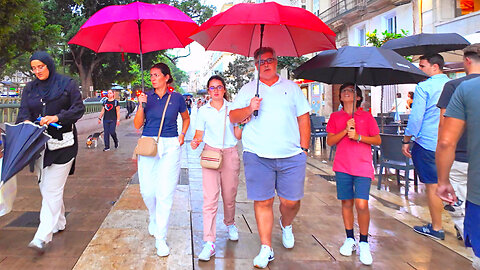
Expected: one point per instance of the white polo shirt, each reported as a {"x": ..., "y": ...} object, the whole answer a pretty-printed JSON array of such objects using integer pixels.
[
  {"x": 211, "y": 122},
  {"x": 274, "y": 132}
]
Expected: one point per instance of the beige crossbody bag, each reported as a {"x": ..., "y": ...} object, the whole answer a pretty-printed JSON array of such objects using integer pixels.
[
  {"x": 147, "y": 146},
  {"x": 210, "y": 159}
]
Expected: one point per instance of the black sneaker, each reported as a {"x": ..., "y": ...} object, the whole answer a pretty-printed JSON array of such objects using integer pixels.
[
  {"x": 116, "y": 145},
  {"x": 429, "y": 231},
  {"x": 106, "y": 149}
]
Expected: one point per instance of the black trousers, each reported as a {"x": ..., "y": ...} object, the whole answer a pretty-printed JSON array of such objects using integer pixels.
[{"x": 109, "y": 130}]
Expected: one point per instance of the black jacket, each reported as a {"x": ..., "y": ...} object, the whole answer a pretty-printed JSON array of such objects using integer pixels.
[{"x": 67, "y": 105}]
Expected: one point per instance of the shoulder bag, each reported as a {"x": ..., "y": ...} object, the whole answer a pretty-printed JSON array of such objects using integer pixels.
[
  {"x": 147, "y": 146},
  {"x": 210, "y": 159}
]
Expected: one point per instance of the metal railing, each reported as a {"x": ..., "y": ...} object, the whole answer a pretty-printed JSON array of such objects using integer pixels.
[
  {"x": 341, "y": 8},
  {"x": 9, "y": 111}
]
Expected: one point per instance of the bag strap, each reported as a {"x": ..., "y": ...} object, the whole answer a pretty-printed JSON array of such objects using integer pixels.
[
  {"x": 163, "y": 117},
  {"x": 224, "y": 126}
]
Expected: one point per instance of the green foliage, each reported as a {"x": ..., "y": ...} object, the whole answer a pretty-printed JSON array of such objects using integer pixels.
[
  {"x": 23, "y": 29},
  {"x": 376, "y": 41},
  {"x": 239, "y": 73},
  {"x": 290, "y": 63}
]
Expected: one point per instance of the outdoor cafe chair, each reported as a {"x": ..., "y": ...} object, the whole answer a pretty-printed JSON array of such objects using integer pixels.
[
  {"x": 391, "y": 157},
  {"x": 386, "y": 120},
  {"x": 318, "y": 129}
]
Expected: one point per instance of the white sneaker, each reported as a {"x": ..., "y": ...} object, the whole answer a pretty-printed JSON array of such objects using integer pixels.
[
  {"x": 207, "y": 251},
  {"x": 348, "y": 247},
  {"x": 365, "y": 255},
  {"x": 38, "y": 245},
  {"x": 288, "y": 239},
  {"x": 266, "y": 255},
  {"x": 476, "y": 263},
  {"x": 232, "y": 232},
  {"x": 162, "y": 248},
  {"x": 152, "y": 227}
]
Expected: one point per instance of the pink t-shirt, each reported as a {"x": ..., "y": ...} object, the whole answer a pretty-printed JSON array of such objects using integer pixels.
[{"x": 351, "y": 157}]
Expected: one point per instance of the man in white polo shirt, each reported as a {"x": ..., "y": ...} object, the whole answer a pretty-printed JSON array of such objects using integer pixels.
[{"x": 275, "y": 145}]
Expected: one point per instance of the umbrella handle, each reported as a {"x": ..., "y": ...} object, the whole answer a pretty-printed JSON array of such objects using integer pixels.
[
  {"x": 55, "y": 125},
  {"x": 255, "y": 113}
]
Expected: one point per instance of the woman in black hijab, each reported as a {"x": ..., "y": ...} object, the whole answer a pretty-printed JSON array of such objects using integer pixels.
[{"x": 56, "y": 99}]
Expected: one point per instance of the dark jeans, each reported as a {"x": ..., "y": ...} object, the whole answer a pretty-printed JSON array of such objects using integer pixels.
[{"x": 109, "y": 130}]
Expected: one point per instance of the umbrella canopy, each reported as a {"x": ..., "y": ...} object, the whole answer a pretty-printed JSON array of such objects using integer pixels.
[
  {"x": 187, "y": 94},
  {"x": 22, "y": 144},
  {"x": 135, "y": 28},
  {"x": 291, "y": 31},
  {"x": 361, "y": 65},
  {"x": 422, "y": 44}
]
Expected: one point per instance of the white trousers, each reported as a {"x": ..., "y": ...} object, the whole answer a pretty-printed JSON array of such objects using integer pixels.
[
  {"x": 52, "y": 213},
  {"x": 158, "y": 177},
  {"x": 458, "y": 179}
]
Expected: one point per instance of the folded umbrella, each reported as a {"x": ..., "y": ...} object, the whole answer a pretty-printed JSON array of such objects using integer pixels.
[{"x": 23, "y": 143}]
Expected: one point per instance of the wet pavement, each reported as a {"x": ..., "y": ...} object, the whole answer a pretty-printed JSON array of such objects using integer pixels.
[{"x": 107, "y": 222}]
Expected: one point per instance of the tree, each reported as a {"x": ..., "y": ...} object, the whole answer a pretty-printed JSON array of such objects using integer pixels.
[
  {"x": 100, "y": 70},
  {"x": 238, "y": 73},
  {"x": 23, "y": 29},
  {"x": 376, "y": 41},
  {"x": 290, "y": 63}
]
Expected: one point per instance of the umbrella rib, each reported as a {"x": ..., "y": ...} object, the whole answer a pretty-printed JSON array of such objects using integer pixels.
[
  {"x": 213, "y": 39},
  {"x": 291, "y": 37}
]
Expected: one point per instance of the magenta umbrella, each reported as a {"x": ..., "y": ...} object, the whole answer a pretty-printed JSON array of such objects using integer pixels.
[{"x": 136, "y": 28}]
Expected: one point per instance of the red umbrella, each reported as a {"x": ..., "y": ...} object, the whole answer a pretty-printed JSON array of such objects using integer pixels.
[
  {"x": 136, "y": 28},
  {"x": 243, "y": 28},
  {"x": 291, "y": 31}
]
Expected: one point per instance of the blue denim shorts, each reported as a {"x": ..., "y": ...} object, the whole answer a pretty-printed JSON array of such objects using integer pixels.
[
  {"x": 352, "y": 187},
  {"x": 471, "y": 231},
  {"x": 264, "y": 176},
  {"x": 424, "y": 162}
]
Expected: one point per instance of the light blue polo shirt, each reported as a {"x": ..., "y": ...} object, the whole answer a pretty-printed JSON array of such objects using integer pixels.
[{"x": 274, "y": 132}]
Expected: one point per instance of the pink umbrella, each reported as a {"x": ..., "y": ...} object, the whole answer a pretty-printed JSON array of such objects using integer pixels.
[{"x": 136, "y": 28}]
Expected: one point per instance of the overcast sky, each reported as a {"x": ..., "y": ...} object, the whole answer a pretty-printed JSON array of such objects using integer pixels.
[{"x": 197, "y": 58}]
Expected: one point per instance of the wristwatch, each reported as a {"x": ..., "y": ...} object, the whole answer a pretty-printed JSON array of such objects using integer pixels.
[
  {"x": 404, "y": 142},
  {"x": 305, "y": 149}
]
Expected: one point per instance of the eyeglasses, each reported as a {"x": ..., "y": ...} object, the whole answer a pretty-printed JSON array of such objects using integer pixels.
[
  {"x": 218, "y": 88},
  {"x": 38, "y": 68},
  {"x": 268, "y": 61},
  {"x": 347, "y": 89}
]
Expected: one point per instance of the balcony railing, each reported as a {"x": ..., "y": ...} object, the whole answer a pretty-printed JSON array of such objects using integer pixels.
[{"x": 341, "y": 8}]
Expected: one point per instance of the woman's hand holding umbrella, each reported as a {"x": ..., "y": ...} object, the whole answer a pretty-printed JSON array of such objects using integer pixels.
[
  {"x": 47, "y": 120},
  {"x": 142, "y": 100}
]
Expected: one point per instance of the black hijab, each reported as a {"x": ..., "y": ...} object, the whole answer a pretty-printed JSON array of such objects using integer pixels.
[{"x": 55, "y": 84}]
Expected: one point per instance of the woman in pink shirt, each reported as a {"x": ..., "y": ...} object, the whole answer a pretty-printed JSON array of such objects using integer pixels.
[{"x": 353, "y": 166}]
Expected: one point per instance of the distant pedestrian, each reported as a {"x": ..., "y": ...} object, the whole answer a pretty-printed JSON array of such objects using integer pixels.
[
  {"x": 423, "y": 125},
  {"x": 111, "y": 119},
  {"x": 158, "y": 175},
  {"x": 458, "y": 172},
  {"x": 410, "y": 101},
  {"x": 188, "y": 103},
  {"x": 275, "y": 146},
  {"x": 57, "y": 99},
  {"x": 353, "y": 166},
  {"x": 214, "y": 127},
  {"x": 199, "y": 103},
  {"x": 130, "y": 104}
]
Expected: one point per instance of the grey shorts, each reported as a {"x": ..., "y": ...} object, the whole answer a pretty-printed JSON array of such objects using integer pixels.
[{"x": 264, "y": 176}]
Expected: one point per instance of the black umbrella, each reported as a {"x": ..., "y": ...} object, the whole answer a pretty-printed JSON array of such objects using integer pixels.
[
  {"x": 361, "y": 65},
  {"x": 23, "y": 143},
  {"x": 422, "y": 44}
]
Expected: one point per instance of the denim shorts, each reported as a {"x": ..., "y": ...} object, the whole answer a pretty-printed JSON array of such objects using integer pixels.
[
  {"x": 264, "y": 176},
  {"x": 424, "y": 162},
  {"x": 352, "y": 187},
  {"x": 471, "y": 230}
]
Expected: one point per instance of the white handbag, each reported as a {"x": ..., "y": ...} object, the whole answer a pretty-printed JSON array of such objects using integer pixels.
[{"x": 68, "y": 140}]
